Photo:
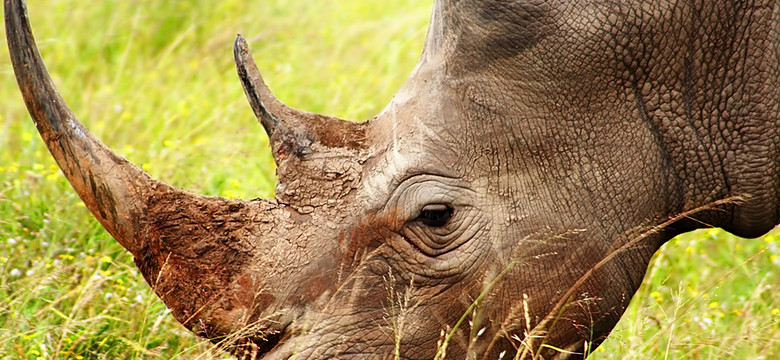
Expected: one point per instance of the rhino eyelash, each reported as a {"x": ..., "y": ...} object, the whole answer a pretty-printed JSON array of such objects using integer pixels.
[{"x": 435, "y": 215}]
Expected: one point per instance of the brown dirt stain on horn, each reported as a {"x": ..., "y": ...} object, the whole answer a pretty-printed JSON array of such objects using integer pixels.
[
  {"x": 333, "y": 132},
  {"x": 195, "y": 255}
]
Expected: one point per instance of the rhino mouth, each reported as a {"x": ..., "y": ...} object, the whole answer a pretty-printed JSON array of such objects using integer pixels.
[
  {"x": 270, "y": 342},
  {"x": 259, "y": 347}
]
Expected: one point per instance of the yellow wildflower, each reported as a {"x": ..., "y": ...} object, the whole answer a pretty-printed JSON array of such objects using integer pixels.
[{"x": 657, "y": 296}]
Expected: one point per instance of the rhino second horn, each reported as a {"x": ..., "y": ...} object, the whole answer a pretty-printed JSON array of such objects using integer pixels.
[
  {"x": 255, "y": 89},
  {"x": 291, "y": 131}
]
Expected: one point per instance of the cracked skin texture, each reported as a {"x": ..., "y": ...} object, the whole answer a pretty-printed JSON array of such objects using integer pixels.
[{"x": 566, "y": 136}]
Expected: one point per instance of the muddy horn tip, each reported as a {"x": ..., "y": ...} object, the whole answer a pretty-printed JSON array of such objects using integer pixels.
[{"x": 240, "y": 45}]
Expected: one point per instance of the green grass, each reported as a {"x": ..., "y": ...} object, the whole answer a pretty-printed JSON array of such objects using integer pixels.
[
  {"x": 155, "y": 80},
  {"x": 708, "y": 295}
]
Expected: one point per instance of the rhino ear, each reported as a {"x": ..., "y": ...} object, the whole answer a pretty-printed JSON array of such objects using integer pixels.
[{"x": 292, "y": 132}]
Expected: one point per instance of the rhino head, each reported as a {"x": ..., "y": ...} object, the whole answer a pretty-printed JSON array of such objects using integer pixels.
[{"x": 507, "y": 201}]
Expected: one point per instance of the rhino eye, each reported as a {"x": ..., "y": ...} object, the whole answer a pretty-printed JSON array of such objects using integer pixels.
[{"x": 435, "y": 215}]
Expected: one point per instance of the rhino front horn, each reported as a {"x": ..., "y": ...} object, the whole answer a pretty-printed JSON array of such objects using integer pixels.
[
  {"x": 206, "y": 257},
  {"x": 111, "y": 187}
]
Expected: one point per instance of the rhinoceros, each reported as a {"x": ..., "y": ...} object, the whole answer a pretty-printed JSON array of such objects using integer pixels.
[{"x": 506, "y": 203}]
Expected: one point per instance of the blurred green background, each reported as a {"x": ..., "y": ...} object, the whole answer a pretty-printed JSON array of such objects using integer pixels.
[{"x": 155, "y": 81}]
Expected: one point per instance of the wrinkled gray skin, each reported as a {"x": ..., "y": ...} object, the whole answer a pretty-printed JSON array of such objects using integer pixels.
[{"x": 570, "y": 140}]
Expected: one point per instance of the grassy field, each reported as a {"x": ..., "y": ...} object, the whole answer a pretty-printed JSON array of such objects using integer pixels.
[{"x": 155, "y": 81}]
